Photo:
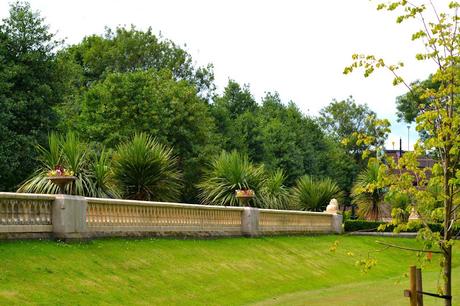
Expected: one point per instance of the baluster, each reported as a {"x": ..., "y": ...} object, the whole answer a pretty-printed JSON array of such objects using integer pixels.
[
  {"x": 16, "y": 219},
  {"x": 3, "y": 212}
]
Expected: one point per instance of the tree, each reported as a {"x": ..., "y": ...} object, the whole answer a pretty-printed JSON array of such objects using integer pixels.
[
  {"x": 146, "y": 170},
  {"x": 236, "y": 99},
  {"x": 128, "y": 49},
  {"x": 439, "y": 118},
  {"x": 411, "y": 104},
  {"x": 29, "y": 88},
  {"x": 154, "y": 103},
  {"x": 342, "y": 119},
  {"x": 236, "y": 121},
  {"x": 290, "y": 140}
]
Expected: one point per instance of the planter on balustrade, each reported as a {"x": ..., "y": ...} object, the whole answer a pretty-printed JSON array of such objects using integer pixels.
[
  {"x": 244, "y": 196},
  {"x": 62, "y": 181}
]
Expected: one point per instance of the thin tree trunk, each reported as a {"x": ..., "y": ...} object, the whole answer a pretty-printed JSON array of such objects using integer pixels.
[
  {"x": 447, "y": 248},
  {"x": 448, "y": 274}
]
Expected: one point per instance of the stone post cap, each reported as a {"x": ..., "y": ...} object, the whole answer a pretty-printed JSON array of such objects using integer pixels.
[{"x": 333, "y": 207}]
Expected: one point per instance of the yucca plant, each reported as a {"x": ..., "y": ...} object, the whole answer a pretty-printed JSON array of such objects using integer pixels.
[
  {"x": 143, "y": 169},
  {"x": 227, "y": 173},
  {"x": 367, "y": 192},
  {"x": 103, "y": 183},
  {"x": 314, "y": 195},
  {"x": 274, "y": 194},
  {"x": 72, "y": 154}
]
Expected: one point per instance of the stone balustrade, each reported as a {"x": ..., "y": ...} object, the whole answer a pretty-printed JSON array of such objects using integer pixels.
[
  {"x": 24, "y": 213},
  {"x": 68, "y": 217},
  {"x": 118, "y": 216},
  {"x": 281, "y": 221}
]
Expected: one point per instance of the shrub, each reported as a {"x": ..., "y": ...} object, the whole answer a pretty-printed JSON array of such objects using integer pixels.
[
  {"x": 74, "y": 155},
  {"x": 372, "y": 226},
  {"x": 314, "y": 195},
  {"x": 227, "y": 173},
  {"x": 274, "y": 194},
  {"x": 143, "y": 169},
  {"x": 364, "y": 225},
  {"x": 367, "y": 192}
]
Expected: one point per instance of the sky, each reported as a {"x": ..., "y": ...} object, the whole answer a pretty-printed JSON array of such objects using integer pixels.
[{"x": 297, "y": 48}]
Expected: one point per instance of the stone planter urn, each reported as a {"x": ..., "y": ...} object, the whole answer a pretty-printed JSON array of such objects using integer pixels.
[
  {"x": 61, "y": 181},
  {"x": 244, "y": 195}
]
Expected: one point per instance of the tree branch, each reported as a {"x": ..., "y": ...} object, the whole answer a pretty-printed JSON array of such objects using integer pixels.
[{"x": 406, "y": 248}]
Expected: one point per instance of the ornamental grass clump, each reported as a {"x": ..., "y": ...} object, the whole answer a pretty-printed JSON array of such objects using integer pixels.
[
  {"x": 314, "y": 194},
  {"x": 144, "y": 169},
  {"x": 227, "y": 173}
]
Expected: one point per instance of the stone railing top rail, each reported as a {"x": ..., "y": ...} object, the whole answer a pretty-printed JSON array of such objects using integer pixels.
[
  {"x": 161, "y": 204},
  {"x": 26, "y": 196},
  {"x": 48, "y": 197},
  {"x": 295, "y": 212}
]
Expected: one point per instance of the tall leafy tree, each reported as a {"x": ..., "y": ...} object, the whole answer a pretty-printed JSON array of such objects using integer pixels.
[
  {"x": 343, "y": 119},
  {"x": 236, "y": 121},
  {"x": 30, "y": 85},
  {"x": 412, "y": 103},
  {"x": 439, "y": 118},
  {"x": 129, "y": 49},
  {"x": 155, "y": 103}
]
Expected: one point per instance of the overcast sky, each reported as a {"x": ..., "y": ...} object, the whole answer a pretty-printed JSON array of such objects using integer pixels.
[{"x": 298, "y": 48}]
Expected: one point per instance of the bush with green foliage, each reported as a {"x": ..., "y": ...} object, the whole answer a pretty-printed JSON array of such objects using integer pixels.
[
  {"x": 274, "y": 194},
  {"x": 227, "y": 173},
  {"x": 368, "y": 193},
  {"x": 91, "y": 170},
  {"x": 314, "y": 194},
  {"x": 375, "y": 226},
  {"x": 144, "y": 169}
]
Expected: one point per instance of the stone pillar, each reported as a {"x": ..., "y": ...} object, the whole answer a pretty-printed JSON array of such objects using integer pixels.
[
  {"x": 69, "y": 217},
  {"x": 337, "y": 224},
  {"x": 250, "y": 222}
]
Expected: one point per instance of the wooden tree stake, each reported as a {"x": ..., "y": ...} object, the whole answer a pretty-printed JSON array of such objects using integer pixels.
[
  {"x": 419, "y": 287},
  {"x": 413, "y": 286}
]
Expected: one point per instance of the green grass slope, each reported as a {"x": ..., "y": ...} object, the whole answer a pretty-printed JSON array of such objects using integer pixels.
[{"x": 233, "y": 271}]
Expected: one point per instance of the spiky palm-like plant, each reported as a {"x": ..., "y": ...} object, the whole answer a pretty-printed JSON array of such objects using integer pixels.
[
  {"x": 274, "y": 194},
  {"x": 103, "y": 183},
  {"x": 146, "y": 170},
  {"x": 227, "y": 173},
  {"x": 73, "y": 155},
  {"x": 367, "y": 192},
  {"x": 314, "y": 195}
]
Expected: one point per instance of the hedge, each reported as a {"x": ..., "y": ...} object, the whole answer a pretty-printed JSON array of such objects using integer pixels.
[{"x": 371, "y": 226}]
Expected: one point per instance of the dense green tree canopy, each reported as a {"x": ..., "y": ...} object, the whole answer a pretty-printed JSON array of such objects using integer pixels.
[
  {"x": 153, "y": 102},
  {"x": 30, "y": 86},
  {"x": 411, "y": 104},
  {"x": 128, "y": 49},
  {"x": 343, "y": 119}
]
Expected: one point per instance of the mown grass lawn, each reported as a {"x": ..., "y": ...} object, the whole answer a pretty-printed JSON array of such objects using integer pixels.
[{"x": 233, "y": 271}]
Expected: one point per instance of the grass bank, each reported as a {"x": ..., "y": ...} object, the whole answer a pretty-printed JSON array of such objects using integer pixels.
[{"x": 236, "y": 271}]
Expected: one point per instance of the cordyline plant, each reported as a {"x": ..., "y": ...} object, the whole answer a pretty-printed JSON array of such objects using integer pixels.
[{"x": 438, "y": 118}]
